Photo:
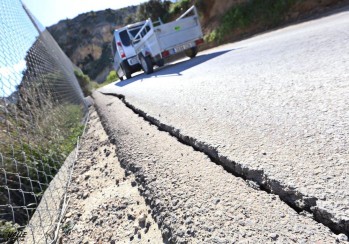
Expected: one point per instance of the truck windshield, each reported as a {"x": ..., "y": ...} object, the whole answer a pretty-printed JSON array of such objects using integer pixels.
[{"x": 125, "y": 38}]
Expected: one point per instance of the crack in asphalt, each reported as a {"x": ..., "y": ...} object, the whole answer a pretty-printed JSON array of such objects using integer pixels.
[{"x": 256, "y": 178}]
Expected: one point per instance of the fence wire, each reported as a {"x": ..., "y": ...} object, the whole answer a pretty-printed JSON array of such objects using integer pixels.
[{"x": 41, "y": 116}]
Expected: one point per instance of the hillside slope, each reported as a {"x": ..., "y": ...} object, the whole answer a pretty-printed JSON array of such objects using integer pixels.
[{"x": 86, "y": 38}]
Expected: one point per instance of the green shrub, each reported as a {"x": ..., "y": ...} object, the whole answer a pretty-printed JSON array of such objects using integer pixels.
[
  {"x": 8, "y": 231},
  {"x": 113, "y": 76},
  {"x": 179, "y": 7},
  {"x": 267, "y": 13},
  {"x": 84, "y": 82}
]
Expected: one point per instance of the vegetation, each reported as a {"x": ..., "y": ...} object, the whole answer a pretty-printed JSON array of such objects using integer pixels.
[
  {"x": 113, "y": 76},
  {"x": 88, "y": 86},
  {"x": 179, "y": 7},
  {"x": 153, "y": 9},
  {"x": 84, "y": 82},
  {"x": 266, "y": 13},
  {"x": 37, "y": 135},
  {"x": 9, "y": 231}
]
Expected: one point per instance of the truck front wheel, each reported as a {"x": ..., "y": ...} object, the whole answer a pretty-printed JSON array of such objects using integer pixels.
[{"x": 147, "y": 65}]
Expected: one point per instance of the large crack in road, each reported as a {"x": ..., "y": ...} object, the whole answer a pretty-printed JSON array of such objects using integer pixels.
[
  {"x": 291, "y": 196},
  {"x": 164, "y": 205}
]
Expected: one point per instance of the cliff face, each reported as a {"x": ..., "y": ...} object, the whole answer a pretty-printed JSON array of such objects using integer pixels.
[{"x": 86, "y": 39}]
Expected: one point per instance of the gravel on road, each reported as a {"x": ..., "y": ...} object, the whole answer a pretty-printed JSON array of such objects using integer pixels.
[{"x": 104, "y": 203}]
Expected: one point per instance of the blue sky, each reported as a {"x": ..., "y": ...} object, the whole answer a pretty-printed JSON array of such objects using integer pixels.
[{"x": 49, "y": 12}]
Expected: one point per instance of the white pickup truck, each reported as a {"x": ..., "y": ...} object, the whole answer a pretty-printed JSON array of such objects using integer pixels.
[{"x": 154, "y": 43}]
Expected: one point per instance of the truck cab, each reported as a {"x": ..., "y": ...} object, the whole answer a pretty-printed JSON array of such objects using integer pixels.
[{"x": 125, "y": 59}]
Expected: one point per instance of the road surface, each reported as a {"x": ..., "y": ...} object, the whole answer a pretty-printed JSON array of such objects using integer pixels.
[{"x": 273, "y": 109}]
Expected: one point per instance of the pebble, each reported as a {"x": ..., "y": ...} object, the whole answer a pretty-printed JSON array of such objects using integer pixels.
[
  {"x": 94, "y": 218},
  {"x": 342, "y": 237},
  {"x": 68, "y": 215},
  {"x": 216, "y": 201},
  {"x": 273, "y": 236},
  {"x": 85, "y": 195},
  {"x": 142, "y": 217}
]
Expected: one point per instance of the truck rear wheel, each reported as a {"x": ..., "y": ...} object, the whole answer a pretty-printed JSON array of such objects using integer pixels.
[
  {"x": 160, "y": 62},
  {"x": 147, "y": 65},
  {"x": 126, "y": 70},
  {"x": 191, "y": 52}
]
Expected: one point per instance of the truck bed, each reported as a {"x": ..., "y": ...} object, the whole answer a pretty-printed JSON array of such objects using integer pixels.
[{"x": 178, "y": 32}]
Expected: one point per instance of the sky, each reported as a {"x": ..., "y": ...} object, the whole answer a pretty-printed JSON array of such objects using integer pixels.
[{"x": 49, "y": 12}]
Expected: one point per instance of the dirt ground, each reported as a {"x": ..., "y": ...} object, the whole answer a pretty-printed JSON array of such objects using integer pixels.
[{"x": 104, "y": 203}]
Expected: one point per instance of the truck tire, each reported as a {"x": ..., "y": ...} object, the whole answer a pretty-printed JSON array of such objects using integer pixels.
[
  {"x": 191, "y": 52},
  {"x": 128, "y": 74},
  {"x": 160, "y": 62},
  {"x": 147, "y": 65},
  {"x": 127, "y": 71}
]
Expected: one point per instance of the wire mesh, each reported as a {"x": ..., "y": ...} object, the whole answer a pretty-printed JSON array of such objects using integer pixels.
[{"x": 41, "y": 115}]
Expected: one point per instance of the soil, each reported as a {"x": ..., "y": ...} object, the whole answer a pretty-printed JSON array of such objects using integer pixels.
[{"x": 104, "y": 203}]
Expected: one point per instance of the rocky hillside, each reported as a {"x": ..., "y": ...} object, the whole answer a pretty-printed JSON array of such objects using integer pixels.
[{"x": 86, "y": 39}]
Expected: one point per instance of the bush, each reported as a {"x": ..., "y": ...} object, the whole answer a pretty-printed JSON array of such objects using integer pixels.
[
  {"x": 267, "y": 13},
  {"x": 84, "y": 82},
  {"x": 113, "y": 76},
  {"x": 153, "y": 9},
  {"x": 179, "y": 7}
]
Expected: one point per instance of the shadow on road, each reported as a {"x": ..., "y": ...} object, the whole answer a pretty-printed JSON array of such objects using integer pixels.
[{"x": 174, "y": 69}]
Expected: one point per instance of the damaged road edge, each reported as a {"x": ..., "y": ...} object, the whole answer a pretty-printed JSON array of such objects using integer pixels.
[{"x": 291, "y": 196}]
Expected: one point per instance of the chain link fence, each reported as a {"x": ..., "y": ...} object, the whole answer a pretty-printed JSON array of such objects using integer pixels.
[{"x": 42, "y": 110}]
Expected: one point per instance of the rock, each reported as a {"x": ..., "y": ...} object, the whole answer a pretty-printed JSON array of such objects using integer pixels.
[
  {"x": 85, "y": 195},
  {"x": 68, "y": 215},
  {"x": 142, "y": 219},
  {"x": 189, "y": 221},
  {"x": 342, "y": 237},
  {"x": 253, "y": 184},
  {"x": 273, "y": 236},
  {"x": 216, "y": 201},
  {"x": 130, "y": 216},
  {"x": 136, "y": 228},
  {"x": 175, "y": 202},
  {"x": 94, "y": 218}
]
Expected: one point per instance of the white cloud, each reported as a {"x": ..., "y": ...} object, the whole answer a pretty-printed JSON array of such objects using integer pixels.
[{"x": 10, "y": 77}]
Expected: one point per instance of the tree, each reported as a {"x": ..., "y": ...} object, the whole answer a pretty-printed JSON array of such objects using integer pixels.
[{"x": 153, "y": 9}]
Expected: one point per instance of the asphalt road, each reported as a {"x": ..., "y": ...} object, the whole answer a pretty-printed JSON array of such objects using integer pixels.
[
  {"x": 273, "y": 108},
  {"x": 192, "y": 199}
]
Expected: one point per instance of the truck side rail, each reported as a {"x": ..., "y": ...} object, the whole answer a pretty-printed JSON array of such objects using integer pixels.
[
  {"x": 142, "y": 32},
  {"x": 192, "y": 8}
]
